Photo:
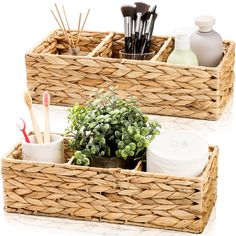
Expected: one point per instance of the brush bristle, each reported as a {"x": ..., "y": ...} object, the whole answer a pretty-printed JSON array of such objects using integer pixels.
[
  {"x": 28, "y": 99},
  {"x": 141, "y": 7},
  {"x": 20, "y": 124},
  {"x": 153, "y": 9},
  {"x": 146, "y": 16},
  {"x": 128, "y": 10},
  {"x": 46, "y": 98}
]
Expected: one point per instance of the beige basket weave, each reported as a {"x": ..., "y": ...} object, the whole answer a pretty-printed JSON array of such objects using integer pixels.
[
  {"x": 161, "y": 88},
  {"x": 109, "y": 195}
]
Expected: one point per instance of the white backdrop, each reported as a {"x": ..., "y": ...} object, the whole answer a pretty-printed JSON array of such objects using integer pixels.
[{"x": 24, "y": 23}]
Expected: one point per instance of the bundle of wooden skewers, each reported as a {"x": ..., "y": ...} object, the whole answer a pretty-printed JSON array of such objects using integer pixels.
[{"x": 73, "y": 40}]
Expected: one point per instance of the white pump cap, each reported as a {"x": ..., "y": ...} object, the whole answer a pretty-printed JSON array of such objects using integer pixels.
[
  {"x": 182, "y": 41},
  {"x": 205, "y": 23}
]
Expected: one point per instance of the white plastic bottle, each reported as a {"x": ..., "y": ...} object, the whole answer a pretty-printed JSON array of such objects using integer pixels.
[
  {"x": 206, "y": 43},
  {"x": 182, "y": 53}
]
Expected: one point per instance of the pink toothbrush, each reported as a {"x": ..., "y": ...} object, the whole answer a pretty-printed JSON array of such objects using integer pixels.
[
  {"x": 22, "y": 126},
  {"x": 46, "y": 103}
]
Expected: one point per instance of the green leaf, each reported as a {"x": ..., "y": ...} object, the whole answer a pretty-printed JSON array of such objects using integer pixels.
[
  {"x": 93, "y": 150},
  {"x": 130, "y": 129},
  {"x": 124, "y": 154},
  {"x": 86, "y": 162},
  {"x": 78, "y": 161},
  {"x": 131, "y": 153},
  {"x": 132, "y": 146},
  {"x": 121, "y": 145},
  {"x": 128, "y": 148}
]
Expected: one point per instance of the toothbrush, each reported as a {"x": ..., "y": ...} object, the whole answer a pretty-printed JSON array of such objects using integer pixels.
[
  {"x": 22, "y": 126},
  {"x": 28, "y": 101},
  {"x": 46, "y": 103}
]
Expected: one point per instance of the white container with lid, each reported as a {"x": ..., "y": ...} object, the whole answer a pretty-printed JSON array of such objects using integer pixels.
[
  {"x": 177, "y": 153},
  {"x": 206, "y": 43}
]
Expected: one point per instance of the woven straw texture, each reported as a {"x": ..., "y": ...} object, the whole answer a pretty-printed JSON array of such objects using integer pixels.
[
  {"x": 109, "y": 195},
  {"x": 161, "y": 88}
]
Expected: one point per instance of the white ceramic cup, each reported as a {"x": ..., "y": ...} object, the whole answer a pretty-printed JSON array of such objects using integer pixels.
[{"x": 52, "y": 152}]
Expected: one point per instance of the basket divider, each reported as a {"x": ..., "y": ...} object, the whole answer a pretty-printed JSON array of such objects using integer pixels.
[
  {"x": 101, "y": 45},
  {"x": 71, "y": 160},
  {"x": 138, "y": 167},
  {"x": 162, "y": 49}
]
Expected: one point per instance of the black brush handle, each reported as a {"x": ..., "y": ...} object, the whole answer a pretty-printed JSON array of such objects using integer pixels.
[
  {"x": 128, "y": 44},
  {"x": 144, "y": 45},
  {"x": 147, "y": 46},
  {"x": 128, "y": 24},
  {"x": 135, "y": 46}
]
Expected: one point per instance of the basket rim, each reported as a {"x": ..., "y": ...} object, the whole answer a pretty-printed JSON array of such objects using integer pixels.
[
  {"x": 213, "y": 152},
  {"x": 129, "y": 61}
]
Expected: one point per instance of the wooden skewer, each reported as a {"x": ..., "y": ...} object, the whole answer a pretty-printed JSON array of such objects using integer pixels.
[
  {"x": 58, "y": 12},
  {"x": 64, "y": 11},
  {"x": 78, "y": 30},
  {"x": 66, "y": 36},
  {"x": 82, "y": 28}
]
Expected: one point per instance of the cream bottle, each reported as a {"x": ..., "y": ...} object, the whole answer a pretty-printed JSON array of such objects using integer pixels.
[
  {"x": 182, "y": 53},
  {"x": 206, "y": 43}
]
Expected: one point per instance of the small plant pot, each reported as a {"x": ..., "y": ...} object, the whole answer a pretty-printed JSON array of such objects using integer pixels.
[{"x": 112, "y": 162}]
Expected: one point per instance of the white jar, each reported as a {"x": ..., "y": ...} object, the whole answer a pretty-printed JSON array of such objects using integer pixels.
[{"x": 177, "y": 153}]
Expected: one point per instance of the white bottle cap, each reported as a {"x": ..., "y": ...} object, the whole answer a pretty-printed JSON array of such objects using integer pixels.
[
  {"x": 205, "y": 23},
  {"x": 182, "y": 41}
]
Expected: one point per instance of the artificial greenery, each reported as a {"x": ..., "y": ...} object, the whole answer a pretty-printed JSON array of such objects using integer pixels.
[{"x": 109, "y": 126}]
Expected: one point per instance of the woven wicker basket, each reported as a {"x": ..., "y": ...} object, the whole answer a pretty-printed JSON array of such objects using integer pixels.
[
  {"x": 161, "y": 88},
  {"x": 109, "y": 195}
]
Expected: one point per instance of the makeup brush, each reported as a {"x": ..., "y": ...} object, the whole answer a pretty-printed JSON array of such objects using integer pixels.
[
  {"x": 144, "y": 21},
  {"x": 140, "y": 10},
  {"x": 46, "y": 103},
  {"x": 28, "y": 101},
  {"x": 128, "y": 14},
  {"x": 149, "y": 30},
  {"x": 22, "y": 126}
]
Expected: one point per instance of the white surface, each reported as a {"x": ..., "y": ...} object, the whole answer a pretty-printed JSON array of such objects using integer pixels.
[
  {"x": 177, "y": 153},
  {"x": 25, "y": 22}
]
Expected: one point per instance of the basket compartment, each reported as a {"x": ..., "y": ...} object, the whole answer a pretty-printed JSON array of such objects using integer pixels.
[
  {"x": 207, "y": 89},
  {"x": 111, "y": 195},
  {"x": 118, "y": 44},
  {"x": 161, "y": 88},
  {"x": 57, "y": 44}
]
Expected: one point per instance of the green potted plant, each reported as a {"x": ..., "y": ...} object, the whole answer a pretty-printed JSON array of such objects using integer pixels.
[{"x": 109, "y": 131}]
